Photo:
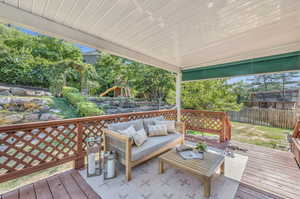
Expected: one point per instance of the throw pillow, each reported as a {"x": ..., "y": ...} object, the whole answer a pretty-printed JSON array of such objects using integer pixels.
[
  {"x": 151, "y": 121},
  {"x": 140, "y": 137},
  {"x": 158, "y": 130},
  {"x": 129, "y": 132},
  {"x": 170, "y": 125}
]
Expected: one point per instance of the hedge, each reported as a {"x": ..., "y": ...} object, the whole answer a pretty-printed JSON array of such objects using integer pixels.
[{"x": 84, "y": 107}]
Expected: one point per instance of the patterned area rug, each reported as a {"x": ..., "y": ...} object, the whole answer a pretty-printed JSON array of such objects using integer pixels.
[{"x": 173, "y": 184}]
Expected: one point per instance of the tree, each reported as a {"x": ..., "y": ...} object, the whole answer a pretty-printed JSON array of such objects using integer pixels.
[
  {"x": 214, "y": 95},
  {"x": 241, "y": 90},
  {"x": 285, "y": 80},
  {"x": 29, "y": 60}
]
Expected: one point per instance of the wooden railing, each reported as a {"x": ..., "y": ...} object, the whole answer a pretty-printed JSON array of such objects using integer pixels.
[{"x": 27, "y": 148}]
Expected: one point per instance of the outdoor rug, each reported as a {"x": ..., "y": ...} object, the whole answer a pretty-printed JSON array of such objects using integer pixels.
[{"x": 147, "y": 183}]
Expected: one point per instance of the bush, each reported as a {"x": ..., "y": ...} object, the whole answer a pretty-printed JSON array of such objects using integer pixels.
[
  {"x": 84, "y": 107},
  {"x": 67, "y": 89},
  {"x": 88, "y": 109}
]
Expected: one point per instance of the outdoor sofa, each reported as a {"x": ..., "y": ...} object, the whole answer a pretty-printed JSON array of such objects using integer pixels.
[{"x": 130, "y": 155}]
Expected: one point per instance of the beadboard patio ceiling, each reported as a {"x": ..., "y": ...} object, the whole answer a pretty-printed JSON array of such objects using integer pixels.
[{"x": 175, "y": 35}]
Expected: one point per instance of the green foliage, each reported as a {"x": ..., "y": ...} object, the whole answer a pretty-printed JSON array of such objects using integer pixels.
[
  {"x": 67, "y": 89},
  {"x": 201, "y": 146},
  {"x": 84, "y": 107},
  {"x": 89, "y": 109},
  {"x": 143, "y": 81},
  {"x": 29, "y": 60},
  {"x": 214, "y": 95}
]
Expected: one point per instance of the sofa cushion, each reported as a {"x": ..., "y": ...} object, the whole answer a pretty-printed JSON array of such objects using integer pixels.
[
  {"x": 129, "y": 132},
  {"x": 151, "y": 145},
  {"x": 137, "y": 124},
  {"x": 169, "y": 123},
  {"x": 151, "y": 121},
  {"x": 140, "y": 137},
  {"x": 158, "y": 130}
]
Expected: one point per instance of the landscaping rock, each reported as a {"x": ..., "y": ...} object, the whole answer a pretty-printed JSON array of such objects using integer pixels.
[
  {"x": 32, "y": 117},
  {"x": 4, "y": 88},
  {"x": 55, "y": 110},
  {"x": 18, "y": 91},
  {"x": 1, "y": 108},
  {"x": 13, "y": 118},
  {"x": 5, "y": 93},
  {"x": 5, "y": 100},
  {"x": 44, "y": 108},
  {"x": 49, "y": 116},
  {"x": 20, "y": 100}
]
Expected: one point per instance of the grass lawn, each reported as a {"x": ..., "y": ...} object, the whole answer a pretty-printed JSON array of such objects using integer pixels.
[{"x": 260, "y": 135}]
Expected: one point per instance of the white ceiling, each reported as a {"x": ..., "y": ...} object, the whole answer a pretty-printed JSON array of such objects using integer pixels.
[{"x": 171, "y": 34}]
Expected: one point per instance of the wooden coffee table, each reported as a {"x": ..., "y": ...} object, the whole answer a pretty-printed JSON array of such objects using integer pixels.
[{"x": 203, "y": 169}]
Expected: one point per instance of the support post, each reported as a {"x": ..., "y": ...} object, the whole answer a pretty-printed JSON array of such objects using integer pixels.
[
  {"x": 178, "y": 95},
  {"x": 79, "y": 162}
]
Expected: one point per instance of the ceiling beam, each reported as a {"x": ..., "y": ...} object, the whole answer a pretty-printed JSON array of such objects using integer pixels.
[{"x": 17, "y": 16}]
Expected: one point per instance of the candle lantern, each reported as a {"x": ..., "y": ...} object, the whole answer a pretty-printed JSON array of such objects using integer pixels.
[
  {"x": 109, "y": 165},
  {"x": 93, "y": 156}
]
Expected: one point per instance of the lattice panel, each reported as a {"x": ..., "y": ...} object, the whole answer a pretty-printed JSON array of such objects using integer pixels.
[
  {"x": 28, "y": 148},
  {"x": 203, "y": 121}
]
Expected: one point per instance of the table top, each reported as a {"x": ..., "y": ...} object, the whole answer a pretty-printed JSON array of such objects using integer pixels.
[{"x": 206, "y": 167}]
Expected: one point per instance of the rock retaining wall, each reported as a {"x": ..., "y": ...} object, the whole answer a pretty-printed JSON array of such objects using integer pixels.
[{"x": 126, "y": 105}]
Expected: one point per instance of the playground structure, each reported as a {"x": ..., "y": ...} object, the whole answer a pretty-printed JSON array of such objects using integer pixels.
[{"x": 119, "y": 91}]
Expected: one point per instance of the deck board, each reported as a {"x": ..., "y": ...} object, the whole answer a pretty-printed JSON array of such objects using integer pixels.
[
  {"x": 27, "y": 192},
  {"x": 42, "y": 190},
  {"x": 11, "y": 195},
  {"x": 67, "y": 185},
  {"x": 269, "y": 173}
]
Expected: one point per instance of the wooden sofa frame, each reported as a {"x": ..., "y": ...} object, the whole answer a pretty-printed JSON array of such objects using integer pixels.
[{"x": 122, "y": 144}]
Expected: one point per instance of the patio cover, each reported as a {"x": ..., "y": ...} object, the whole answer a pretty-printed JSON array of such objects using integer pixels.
[{"x": 175, "y": 35}]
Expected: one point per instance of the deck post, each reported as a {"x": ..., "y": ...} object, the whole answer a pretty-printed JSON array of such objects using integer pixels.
[
  {"x": 79, "y": 162},
  {"x": 178, "y": 95}
]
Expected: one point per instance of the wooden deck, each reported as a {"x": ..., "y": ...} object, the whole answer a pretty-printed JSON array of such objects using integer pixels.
[
  {"x": 68, "y": 185},
  {"x": 269, "y": 174}
]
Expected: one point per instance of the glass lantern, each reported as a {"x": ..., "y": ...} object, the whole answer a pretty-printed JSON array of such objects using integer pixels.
[
  {"x": 109, "y": 168},
  {"x": 94, "y": 157}
]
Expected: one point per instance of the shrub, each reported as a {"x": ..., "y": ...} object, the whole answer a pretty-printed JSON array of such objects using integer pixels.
[
  {"x": 89, "y": 109},
  {"x": 68, "y": 89},
  {"x": 84, "y": 107}
]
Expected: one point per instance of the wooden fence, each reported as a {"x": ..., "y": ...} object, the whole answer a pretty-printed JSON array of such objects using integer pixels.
[
  {"x": 265, "y": 117},
  {"x": 27, "y": 148}
]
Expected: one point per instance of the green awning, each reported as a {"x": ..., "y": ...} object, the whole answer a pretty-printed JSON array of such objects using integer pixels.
[{"x": 270, "y": 64}]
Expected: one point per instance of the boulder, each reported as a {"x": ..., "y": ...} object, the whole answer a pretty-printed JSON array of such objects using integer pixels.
[
  {"x": 55, "y": 110},
  {"x": 29, "y": 93},
  {"x": 15, "y": 118},
  {"x": 18, "y": 91},
  {"x": 44, "y": 108},
  {"x": 49, "y": 116},
  {"x": 5, "y": 100},
  {"x": 4, "y": 88},
  {"x": 20, "y": 100},
  {"x": 5, "y": 93},
  {"x": 32, "y": 117}
]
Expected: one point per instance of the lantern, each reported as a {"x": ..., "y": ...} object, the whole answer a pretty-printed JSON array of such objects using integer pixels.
[
  {"x": 93, "y": 156},
  {"x": 109, "y": 165}
]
